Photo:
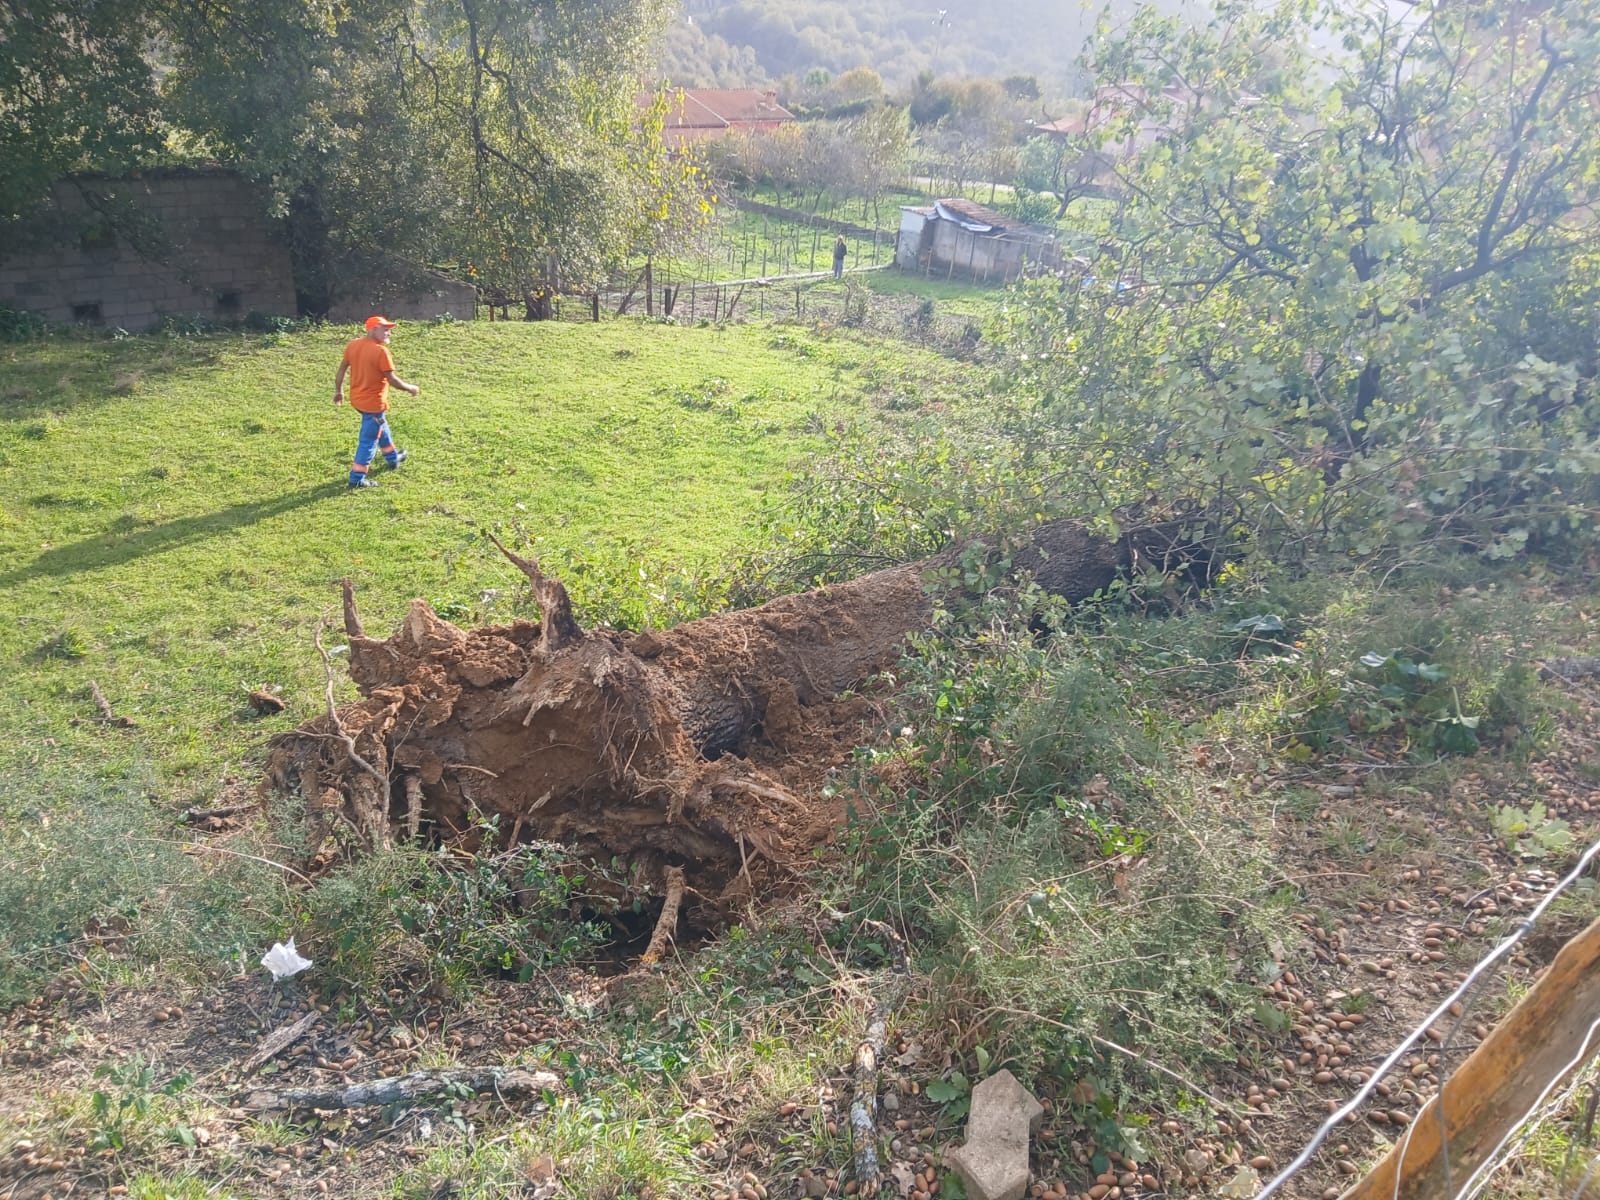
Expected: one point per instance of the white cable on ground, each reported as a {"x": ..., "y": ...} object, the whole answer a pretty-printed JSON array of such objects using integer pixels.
[{"x": 1388, "y": 1064}]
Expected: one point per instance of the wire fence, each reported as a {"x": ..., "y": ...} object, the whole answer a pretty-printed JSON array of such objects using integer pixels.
[
  {"x": 1497, "y": 1127},
  {"x": 913, "y": 320}
]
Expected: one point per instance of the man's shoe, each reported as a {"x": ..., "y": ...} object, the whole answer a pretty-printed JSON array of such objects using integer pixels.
[
  {"x": 400, "y": 457},
  {"x": 363, "y": 482}
]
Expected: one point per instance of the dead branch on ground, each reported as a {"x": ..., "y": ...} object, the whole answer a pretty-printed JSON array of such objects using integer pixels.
[{"x": 405, "y": 1089}]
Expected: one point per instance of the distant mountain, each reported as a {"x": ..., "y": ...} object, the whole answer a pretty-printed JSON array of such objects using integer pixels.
[{"x": 733, "y": 43}]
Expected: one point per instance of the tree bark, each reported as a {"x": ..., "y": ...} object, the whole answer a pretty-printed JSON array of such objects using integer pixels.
[
  {"x": 406, "y": 1089},
  {"x": 657, "y": 750}
]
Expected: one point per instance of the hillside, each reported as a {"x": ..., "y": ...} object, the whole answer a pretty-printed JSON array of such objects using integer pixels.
[
  {"x": 716, "y": 43},
  {"x": 1229, "y": 784}
]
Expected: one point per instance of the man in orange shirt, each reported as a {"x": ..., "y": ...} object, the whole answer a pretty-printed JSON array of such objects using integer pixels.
[{"x": 371, "y": 370}]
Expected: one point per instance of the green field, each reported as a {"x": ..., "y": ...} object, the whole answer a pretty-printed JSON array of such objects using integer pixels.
[
  {"x": 747, "y": 245},
  {"x": 175, "y": 520}
]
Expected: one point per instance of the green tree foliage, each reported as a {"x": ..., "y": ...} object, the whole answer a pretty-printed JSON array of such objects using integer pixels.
[
  {"x": 75, "y": 94},
  {"x": 968, "y": 130},
  {"x": 687, "y": 56},
  {"x": 898, "y": 38},
  {"x": 299, "y": 96},
  {"x": 823, "y": 94},
  {"x": 1062, "y": 166},
  {"x": 500, "y": 134},
  {"x": 1021, "y": 87},
  {"x": 496, "y": 135},
  {"x": 1351, "y": 292},
  {"x": 860, "y": 156}
]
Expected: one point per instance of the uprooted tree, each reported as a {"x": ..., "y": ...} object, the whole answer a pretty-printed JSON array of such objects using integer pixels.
[{"x": 663, "y": 750}]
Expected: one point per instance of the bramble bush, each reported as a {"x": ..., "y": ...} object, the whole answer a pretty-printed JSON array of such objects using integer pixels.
[
  {"x": 1065, "y": 885},
  {"x": 445, "y": 918}
]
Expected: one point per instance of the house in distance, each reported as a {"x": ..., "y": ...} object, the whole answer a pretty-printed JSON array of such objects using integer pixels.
[{"x": 700, "y": 114}]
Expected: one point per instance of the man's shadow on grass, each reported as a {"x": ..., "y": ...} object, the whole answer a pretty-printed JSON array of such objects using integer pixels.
[{"x": 116, "y": 547}]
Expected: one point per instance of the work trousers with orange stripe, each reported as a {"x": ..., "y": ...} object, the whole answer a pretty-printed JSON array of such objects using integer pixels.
[{"x": 374, "y": 436}]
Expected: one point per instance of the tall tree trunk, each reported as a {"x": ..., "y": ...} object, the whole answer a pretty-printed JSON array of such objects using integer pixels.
[
  {"x": 538, "y": 303},
  {"x": 1367, "y": 390}
]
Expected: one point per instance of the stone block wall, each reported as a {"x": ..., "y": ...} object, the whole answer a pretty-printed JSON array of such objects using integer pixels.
[
  {"x": 411, "y": 295},
  {"x": 173, "y": 243}
]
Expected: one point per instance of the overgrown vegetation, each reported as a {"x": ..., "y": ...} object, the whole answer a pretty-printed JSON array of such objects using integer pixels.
[{"x": 1339, "y": 336}]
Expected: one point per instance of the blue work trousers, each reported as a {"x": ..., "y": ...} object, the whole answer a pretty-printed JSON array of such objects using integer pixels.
[{"x": 374, "y": 436}]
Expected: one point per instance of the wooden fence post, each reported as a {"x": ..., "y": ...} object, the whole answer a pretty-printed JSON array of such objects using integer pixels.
[
  {"x": 1489, "y": 1094},
  {"x": 649, "y": 290}
]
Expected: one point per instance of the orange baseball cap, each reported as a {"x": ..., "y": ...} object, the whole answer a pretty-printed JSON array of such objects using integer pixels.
[{"x": 374, "y": 322}]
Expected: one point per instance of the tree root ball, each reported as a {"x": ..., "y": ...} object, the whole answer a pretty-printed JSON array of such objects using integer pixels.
[{"x": 657, "y": 751}]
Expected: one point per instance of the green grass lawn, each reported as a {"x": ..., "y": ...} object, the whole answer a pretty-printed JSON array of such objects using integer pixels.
[
  {"x": 174, "y": 518},
  {"x": 748, "y": 245},
  {"x": 949, "y": 296}
]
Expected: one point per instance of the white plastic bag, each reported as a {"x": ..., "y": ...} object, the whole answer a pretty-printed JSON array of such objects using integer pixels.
[{"x": 283, "y": 961}]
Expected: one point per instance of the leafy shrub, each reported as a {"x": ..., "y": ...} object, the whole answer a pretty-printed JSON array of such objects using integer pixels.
[
  {"x": 71, "y": 643},
  {"x": 919, "y": 318},
  {"x": 857, "y": 302},
  {"x": 131, "y": 1098},
  {"x": 617, "y": 585},
  {"x": 19, "y": 325},
  {"x": 445, "y": 918},
  {"x": 1064, "y": 885},
  {"x": 875, "y": 497},
  {"x": 260, "y": 322},
  {"x": 1032, "y": 207}
]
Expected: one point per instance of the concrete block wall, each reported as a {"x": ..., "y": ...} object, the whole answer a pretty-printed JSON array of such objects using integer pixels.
[
  {"x": 211, "y": 252},
  {"x": 419, "y": 297}
]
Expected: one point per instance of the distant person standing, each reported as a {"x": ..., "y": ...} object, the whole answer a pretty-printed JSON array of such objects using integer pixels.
[
  {"x": 371, "y": 369},
  {"x": 839, "y": 251}
]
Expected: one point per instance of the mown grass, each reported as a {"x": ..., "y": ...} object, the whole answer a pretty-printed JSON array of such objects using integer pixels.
[{"x": 174, "y": 518}]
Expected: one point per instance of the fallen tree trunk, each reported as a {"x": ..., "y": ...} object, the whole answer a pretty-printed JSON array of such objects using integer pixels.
[{"x": 635, "y": 748}]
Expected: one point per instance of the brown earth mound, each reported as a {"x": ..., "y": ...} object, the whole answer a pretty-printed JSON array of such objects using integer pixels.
[{"x": 700, "y": 748}]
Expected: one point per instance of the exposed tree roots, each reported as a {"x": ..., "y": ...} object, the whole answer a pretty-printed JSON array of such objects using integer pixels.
[{"x": 662, "y": 750}]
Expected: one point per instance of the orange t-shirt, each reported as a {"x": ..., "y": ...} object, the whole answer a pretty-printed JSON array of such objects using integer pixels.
[{"x": 369, "y": 363}]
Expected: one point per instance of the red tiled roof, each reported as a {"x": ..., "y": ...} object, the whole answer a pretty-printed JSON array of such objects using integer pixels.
[
  {"x": 1066, "y": 125},
  {"x": 740, "y": 104}
]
